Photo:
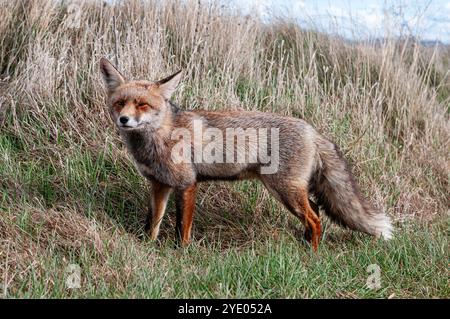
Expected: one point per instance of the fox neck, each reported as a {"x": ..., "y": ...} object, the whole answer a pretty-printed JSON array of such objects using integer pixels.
[{"x": 145, "y": 146}]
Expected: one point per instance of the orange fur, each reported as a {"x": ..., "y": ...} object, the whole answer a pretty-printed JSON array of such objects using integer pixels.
[
  {"x": 160, "y": 196},
  {"x": 188, "y": 213}
]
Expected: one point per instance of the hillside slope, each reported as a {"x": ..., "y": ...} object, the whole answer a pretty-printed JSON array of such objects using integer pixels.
[{"x": 70, "y": 194}]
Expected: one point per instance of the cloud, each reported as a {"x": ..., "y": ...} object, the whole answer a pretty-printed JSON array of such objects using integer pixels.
[
  {"x": 356, "y": 19},
  {"x": 371, "y": 19},
  {"x": 259, "y": 8},
  {"x": 298, "y": 6}
]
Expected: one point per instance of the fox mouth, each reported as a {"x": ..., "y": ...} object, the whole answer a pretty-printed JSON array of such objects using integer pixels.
[{"x": 128, "y": 127}]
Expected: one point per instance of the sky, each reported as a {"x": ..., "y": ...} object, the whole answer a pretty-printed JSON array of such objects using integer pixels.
[{"x": 359, "y": 19}]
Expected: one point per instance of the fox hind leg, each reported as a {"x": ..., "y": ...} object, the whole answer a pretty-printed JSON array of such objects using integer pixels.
[
  {"x": 312, "y": 222},
  {"x": 314, "y": 207},
  {"x": 295, "y": 199},
  {"x": 308, "y": 232}
]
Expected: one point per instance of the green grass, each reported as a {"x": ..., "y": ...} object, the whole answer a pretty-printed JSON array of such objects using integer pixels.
[
  {"x": 414, "y": 265},
  {"x": 274, "y": 263}
]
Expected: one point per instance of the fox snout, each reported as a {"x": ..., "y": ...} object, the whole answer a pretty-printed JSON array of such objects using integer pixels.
[
  {"x": 125, "y": 121},
  {"x": 128, "y": 115}
]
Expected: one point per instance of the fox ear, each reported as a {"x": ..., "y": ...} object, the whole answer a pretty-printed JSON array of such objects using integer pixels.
[
  {"x": 111, "y": 75},
  {"x": 168, "y": 85}
]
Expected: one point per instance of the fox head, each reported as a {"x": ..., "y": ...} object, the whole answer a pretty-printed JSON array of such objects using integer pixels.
[{"x": 137, "y": 104}]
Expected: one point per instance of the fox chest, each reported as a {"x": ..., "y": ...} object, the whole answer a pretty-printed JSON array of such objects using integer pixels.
[
  {"x": 153, "y": 170},
  {"x": 177, "y": 176},
  {"x": 152, "y": 158},
  {"x": 145, "y": 170}
]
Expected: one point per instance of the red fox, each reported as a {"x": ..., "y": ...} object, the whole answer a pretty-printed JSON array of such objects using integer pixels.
[{"x": 175, "y": 149}]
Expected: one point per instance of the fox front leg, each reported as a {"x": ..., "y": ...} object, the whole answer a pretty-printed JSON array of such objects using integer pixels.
[
  {"x": 185, "y": 206},
  {"x": 158, "y": 202}
]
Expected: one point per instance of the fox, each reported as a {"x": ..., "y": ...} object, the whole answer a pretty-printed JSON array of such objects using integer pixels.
[{"x": 308, "y": 165}]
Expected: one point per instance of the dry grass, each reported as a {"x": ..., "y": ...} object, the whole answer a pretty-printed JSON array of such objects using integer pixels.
[{"x": 69, "y": 189}]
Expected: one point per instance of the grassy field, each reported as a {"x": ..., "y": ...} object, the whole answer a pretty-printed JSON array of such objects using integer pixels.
[{"x": 71, "y": 197}]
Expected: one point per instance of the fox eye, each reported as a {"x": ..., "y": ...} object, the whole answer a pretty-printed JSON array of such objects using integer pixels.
[
  {"x": 143, "y": 105},
  {"x": 120, "y": 103}
]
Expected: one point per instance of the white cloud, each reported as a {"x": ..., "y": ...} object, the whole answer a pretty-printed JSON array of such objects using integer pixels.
[
  {"x": 373, "y": 20},
  {"x": 259, "y": 8},
  {"x": 356, "y": 19},
  {"x": 298, "y": 6}
]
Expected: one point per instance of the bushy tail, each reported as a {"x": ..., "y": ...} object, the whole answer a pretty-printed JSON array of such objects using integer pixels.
[{"x": 338, "y": 194}]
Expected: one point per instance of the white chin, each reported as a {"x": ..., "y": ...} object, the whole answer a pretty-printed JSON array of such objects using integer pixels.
[{"x": 128, "y": 127}]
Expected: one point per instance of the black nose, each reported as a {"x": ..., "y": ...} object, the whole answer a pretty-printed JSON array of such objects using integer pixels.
[{"x": 123, "y": 119}]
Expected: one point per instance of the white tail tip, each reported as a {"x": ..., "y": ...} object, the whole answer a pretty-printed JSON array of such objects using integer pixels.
[{"x": 384, "y": 227}]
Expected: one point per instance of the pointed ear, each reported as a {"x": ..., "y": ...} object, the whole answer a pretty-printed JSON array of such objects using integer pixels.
[
  {"x": 112, "y": 77},
  {"x": 168, "y": 85}
]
